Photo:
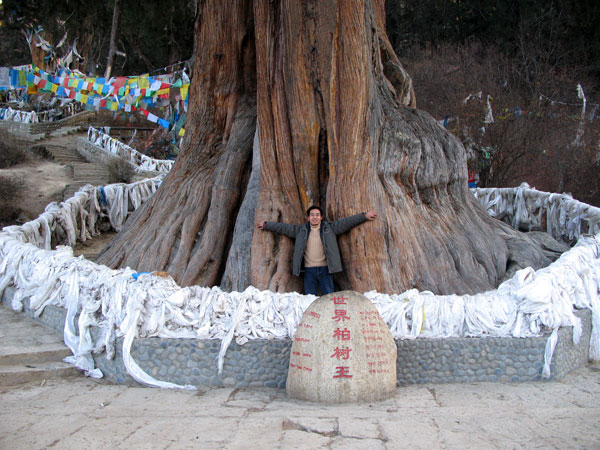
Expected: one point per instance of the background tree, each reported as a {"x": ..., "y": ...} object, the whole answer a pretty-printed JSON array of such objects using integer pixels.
[
  {"x": 532, "y": 84},
  {"x": 114, "y": 32},
  {"x": 156, "y": 34},
  {"x": 70, "y": 23},
  {"x": 333, "y": 108},
  {"x": 153, "y": 33},
  {"x": 570, "y": 26}
]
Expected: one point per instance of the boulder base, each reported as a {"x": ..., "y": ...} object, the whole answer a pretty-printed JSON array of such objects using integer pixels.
[{"x": 342, "y": 352}]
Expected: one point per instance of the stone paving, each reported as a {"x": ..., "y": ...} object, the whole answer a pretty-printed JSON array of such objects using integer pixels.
[
  {"x": 78, "y": 412},
  {"x": 85, "y": 413}
]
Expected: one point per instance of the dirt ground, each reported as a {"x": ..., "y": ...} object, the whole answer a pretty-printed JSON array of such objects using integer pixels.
[
  {"x": 91, "y": 248},
  {"x": 40, "y": 183}
]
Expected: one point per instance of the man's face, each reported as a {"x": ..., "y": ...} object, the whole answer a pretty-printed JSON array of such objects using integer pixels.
[{"x": 314, "y": 217}]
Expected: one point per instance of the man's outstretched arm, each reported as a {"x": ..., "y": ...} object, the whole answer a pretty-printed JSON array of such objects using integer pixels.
[
  {"x": 342, "y": 225},
  {"x": 278, "y": 227}
]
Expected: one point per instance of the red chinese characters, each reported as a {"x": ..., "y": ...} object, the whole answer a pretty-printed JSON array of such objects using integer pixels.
[
  {"x": 340, "y": 315},
  {"x": 300, "y": 359},
  {"x": 343, "y": 353},
  {"x": 342, "y": 372},
  {"x": 371, "y": 331},
  {"x": 339, "y": 300},
  {"x": 343, "y": 335}
]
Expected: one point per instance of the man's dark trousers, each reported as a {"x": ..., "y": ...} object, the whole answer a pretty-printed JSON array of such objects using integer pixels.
[{"x": 317, "y": 276}]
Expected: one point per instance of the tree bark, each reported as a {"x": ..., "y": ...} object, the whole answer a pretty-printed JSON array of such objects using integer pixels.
[
  {"x": 186, "y": 227},
  {"x": 337, "y": 128},
  {"x": 343, "y": 135}
]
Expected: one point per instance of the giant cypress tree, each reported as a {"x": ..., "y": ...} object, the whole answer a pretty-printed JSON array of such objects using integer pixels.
[{"x": 337, "y": 126}]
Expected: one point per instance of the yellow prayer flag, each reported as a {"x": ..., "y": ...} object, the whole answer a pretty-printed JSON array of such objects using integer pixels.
[
  {"x": 53, "y": 87},
  {"x": 181, "y": 132},
  {"x": 184, "y": 91}
]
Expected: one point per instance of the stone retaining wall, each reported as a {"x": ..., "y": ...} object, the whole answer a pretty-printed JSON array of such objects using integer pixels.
[
  {"x": 27, "y": 129},
  {"x": 465, "y": 360},
  {"x": 97, "y": 154},
  {"x": 261, "y": 363}
]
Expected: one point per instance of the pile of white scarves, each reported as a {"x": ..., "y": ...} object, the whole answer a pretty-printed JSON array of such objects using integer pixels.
[
  {"x": 15, "y": 115},
  {"x": 138, "y": 160},
  {"x": 525, "y": 207},
  {"x": 530, "y": 303}
]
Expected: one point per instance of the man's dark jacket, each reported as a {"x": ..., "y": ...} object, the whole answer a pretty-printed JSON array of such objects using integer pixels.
[{"x": 329, "y": 231}]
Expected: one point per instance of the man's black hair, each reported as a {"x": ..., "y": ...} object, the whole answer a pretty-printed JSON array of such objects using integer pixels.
[{"x": 314, "y": 207}]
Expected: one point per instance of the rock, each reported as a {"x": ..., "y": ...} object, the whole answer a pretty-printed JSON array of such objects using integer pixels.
[{"x": 342, "y": 352}]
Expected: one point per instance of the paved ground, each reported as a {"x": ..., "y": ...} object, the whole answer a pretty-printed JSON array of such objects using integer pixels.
[
  {"x": 84, "y": 413},
  {"x": 48, "y": 410}
]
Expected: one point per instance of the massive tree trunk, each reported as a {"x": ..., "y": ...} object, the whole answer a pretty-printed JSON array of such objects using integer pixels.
[
  {"x": 337, "y": 126},
  {"x": 185, "y": 228}
]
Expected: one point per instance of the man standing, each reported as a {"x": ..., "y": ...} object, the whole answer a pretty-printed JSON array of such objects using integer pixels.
[{"x": 316, "y": 250}]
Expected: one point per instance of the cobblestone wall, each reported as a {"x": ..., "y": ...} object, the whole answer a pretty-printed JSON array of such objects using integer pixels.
[
  {"x": 265, "y": 362},
  {"x": 465, "y": 360},
  {"x": 257, "y": 363}
]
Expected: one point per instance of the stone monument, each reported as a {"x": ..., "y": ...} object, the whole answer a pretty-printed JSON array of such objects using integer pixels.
[{"x": 342, "y": 352}]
